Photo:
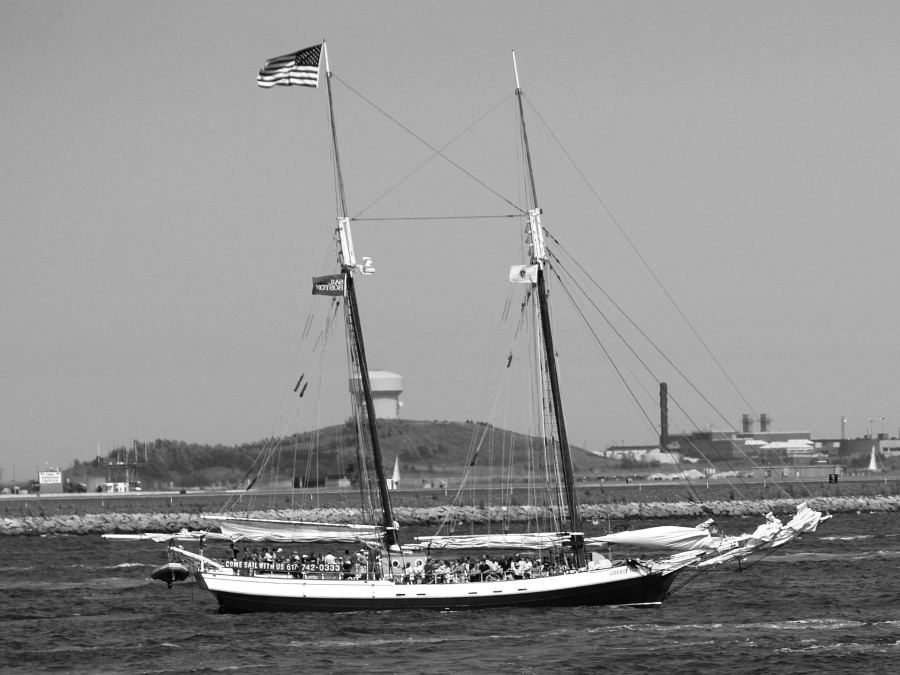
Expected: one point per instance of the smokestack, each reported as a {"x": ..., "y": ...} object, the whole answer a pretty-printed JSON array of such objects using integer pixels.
[
  {"x": 663, "y": 417},
  {"x": 764, "y": 422},
  {"x": 747, "y": 424}
]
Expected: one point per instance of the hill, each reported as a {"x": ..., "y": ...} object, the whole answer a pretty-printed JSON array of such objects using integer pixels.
[{"x": 426, "y": 450}]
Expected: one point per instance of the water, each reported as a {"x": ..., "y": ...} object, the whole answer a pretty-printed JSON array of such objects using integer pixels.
[{"x": 827, "y": 604}]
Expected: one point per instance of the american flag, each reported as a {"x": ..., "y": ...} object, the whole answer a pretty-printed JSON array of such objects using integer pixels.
[{"x": 301, "y": 68}]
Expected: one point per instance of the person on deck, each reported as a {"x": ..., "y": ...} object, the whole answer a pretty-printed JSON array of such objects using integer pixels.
[
  {"x": 474, "y": 574},
  {"x": 406, "y": 574},
  {"x": 347, "y": 564},
  {"x": 360, "y": 567},
  {"x": 484, "y": 568},
  {"x": 460, "y": 571},
  {"x": 527, "y": 567},
  {"x": 508, "y": 568}
]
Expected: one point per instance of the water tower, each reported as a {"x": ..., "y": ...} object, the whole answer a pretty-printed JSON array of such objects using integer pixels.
[{"x": 386, "y": 390}]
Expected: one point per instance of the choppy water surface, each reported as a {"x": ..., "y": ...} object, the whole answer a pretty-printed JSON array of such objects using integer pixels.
[{"x": 827, "y": 604}]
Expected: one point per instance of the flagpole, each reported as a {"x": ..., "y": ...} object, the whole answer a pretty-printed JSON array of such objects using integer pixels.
[{"x": 342, "y": 200}]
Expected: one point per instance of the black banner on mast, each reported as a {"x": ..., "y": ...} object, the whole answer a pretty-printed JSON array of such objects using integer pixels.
[{"x": 333, "y": 284}]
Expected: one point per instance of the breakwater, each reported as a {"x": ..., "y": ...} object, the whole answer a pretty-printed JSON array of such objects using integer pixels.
[{"x": 132, "y": 523}]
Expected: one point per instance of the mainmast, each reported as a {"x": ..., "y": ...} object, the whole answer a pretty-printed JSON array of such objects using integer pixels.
[
  {"x": 354, "y": 327},
  {"x": 539, "y": 259}
]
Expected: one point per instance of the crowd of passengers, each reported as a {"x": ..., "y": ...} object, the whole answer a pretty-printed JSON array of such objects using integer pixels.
[
  {"x": 362, "y": 564},
  {"x": 462, "y": 570}
]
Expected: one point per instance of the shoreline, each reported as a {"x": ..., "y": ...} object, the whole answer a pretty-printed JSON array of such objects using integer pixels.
[{"x": 410, "y": 516}]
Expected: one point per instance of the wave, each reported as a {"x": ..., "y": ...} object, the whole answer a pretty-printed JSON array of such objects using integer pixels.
[
  {"x": 791, "y": 625},
  {"x": 820, "y": 556},
  {"x": 102, "y": 583},
  {"x": 843, "y": 647},
  {"x": 383, "y": 642}
]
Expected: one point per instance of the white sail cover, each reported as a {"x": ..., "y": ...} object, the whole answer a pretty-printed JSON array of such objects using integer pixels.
[
  {"x": 152, "y": 536},
  {"x": 168, "y": 536},
  {"x": 667, "y": 536},
  {"x": 769, "y": 535},
  {"x": 806, "y": 520},
  {"x": 535, "y": 540},
  {"x": 294, "y": 531}
]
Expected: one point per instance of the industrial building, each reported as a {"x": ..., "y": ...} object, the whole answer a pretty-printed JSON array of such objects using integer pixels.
[{"x": 764, "y": 447}]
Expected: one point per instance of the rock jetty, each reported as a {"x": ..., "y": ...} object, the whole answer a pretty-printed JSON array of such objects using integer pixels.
[{"x": 132, "y": 523}]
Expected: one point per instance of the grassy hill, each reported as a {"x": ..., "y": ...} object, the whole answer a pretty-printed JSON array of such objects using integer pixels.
[{"x": 426, "y": 450}]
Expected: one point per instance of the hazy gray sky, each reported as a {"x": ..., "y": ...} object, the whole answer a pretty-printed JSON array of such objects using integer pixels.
[{"x": 162, "y": 215}]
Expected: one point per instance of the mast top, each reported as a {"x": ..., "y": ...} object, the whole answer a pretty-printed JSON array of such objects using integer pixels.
[{"x": 515, "y": 67}]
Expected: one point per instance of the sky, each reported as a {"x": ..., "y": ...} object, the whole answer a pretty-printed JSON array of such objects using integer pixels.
[{"x": 162, "y": 215}]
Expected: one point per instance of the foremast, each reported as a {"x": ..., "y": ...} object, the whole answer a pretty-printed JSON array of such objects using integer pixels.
[
  {"x": 356, "y": 345},
  {"x": 538, "y": 259}
]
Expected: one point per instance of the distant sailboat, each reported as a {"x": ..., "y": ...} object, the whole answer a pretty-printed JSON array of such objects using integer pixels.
[
  {"x": 873, "y": 462},
  {"x": 394, "y": 481}
]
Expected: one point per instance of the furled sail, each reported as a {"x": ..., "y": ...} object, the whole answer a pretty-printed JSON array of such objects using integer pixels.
[
  {"x": 166, "y": 536},
  {"x": 287, "y": 531},
  {"x": 669, "y": 537},
  {"x": 806, "y": 520},
  {"x": 535, "y": 541},
  {"x": 769, "y": 535}
]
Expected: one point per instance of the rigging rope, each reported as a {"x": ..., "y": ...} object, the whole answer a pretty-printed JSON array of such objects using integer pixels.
[
  {"x": 388, "y": 218},
  {"x": 638, "y": 254},
  {"x": 734, "y": 445},
  {"x": 668, "y": 296},
  {"x": 437, "y": 151}
]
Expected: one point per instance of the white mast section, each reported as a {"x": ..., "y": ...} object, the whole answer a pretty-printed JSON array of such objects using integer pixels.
[
  {"x": 515, "y": 68},
  {"x": 536, "y": 236},
  {"x": 348, "y": 259},
  {"x": 536, "y": 232}
]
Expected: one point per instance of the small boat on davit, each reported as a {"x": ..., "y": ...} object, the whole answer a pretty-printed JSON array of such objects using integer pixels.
[{"x": 170, "y": 573}]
